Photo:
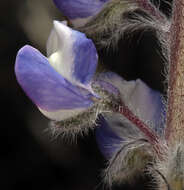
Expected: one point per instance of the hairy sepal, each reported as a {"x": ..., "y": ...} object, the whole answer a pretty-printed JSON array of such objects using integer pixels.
[{"x": 80, "y": 124}]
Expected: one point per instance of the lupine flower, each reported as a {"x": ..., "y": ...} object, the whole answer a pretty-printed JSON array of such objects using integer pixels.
[
  {"x": 63, "y": 86},
  {"x": 120, "y": 136},
  {"x": 139, "y": 98},
  {"x": 80, "y": 11},
  {"x": 59, "y": 85}
]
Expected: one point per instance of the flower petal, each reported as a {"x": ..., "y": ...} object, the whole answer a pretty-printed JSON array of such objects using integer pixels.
[
  {"x": 53, "y": 41},
  {"x": 79, "y": 11},
  {"x": 112, "y": 131},
  {"x": 143, "y": 101},
  {"x": 72, "y": 54},
  {"x": 106, "y": 138},
  {"x": 46, "y": 87}
]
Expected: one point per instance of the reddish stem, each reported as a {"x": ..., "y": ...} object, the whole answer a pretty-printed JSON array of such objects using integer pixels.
[
  {"x": 175, "y": 114},
  {"x": 152, "y": 137}
]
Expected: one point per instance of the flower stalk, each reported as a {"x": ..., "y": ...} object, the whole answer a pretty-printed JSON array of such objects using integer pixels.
[
  {"x": 175, "y": 116},
  {"x": 152, "y": 137}
]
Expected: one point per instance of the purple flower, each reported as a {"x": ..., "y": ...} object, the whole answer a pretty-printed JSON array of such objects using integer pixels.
[
  {"x": 129, "y": 138},
  {"x": 143, "y": 102},
  {"x": 59, "y": 85},
  {"x": 80, "y": 11}
]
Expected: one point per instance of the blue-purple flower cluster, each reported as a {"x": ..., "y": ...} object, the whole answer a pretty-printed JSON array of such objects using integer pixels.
[{"x": 61, "y": 84}]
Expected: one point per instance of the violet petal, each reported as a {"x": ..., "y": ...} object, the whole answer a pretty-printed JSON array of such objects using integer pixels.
[{"x": 45, "y": 86}]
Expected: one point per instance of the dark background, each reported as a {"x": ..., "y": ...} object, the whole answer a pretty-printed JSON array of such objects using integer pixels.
[{"x": 29, "y": 157}]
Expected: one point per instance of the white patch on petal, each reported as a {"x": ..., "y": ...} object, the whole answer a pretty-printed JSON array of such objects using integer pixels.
[
  {"x": 59, "y": 50},
  {"x": 52, "y": 43},
  {"x": 55, "y": 60},
  {"x": 61, "y": 114}
]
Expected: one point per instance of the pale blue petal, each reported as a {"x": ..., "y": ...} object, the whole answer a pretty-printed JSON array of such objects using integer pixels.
[{"x": 107, "y": 139}]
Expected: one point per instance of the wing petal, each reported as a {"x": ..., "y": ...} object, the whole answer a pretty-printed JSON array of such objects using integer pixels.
[{"x": 45, "y": 86}]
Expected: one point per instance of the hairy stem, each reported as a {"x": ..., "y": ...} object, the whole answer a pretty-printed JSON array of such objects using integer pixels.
[
  {"x": 151, "y": 136},
  {"x": 175, "y": 114},
  {"x": 150, "y": 8}
]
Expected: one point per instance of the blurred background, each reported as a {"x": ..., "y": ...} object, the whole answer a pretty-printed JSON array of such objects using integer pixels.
[{"x": 29, "y": 157}]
